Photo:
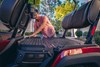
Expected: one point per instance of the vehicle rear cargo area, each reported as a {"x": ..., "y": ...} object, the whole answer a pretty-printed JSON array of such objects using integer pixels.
[{"x": 36, "y": 50}]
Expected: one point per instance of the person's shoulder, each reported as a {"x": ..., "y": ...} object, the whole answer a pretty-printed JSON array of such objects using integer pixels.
[{"x": 45, "y": 17}]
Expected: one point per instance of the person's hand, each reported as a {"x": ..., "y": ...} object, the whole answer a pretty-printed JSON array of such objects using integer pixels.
[{"x": 32, "y": 35}]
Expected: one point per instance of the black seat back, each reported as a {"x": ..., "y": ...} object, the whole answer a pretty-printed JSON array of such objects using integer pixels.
[
  {"x": 94, "y": 10},
  {"x": 10, "y": 11},
  {"x": 82, "y": 17}
]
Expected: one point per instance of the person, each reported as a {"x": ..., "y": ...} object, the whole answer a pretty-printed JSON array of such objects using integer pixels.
[{"x": 43, "y": 25}]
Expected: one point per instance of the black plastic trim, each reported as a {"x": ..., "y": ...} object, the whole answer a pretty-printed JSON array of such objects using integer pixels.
[{"x": 78, "y": 59}]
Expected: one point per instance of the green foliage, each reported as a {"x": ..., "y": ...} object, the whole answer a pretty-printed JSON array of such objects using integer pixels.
[
  {"x": 68, "y": 34},
  {"x": 60, "y": 10},
  {"x": 97, "y": 37},
  {"x": 57, "y": 25},
  {"x": 63, "y": 9},
  {"x": 34, "y": 2},
  {"x": 97, "y": 33},
  {"x": 28, "y": 33},
  {"x": 78, "y": 33},
  {"x": 85, "y": 33},
  {"x": 47, "y": 8},
  {"x": 30, "y": 1}
]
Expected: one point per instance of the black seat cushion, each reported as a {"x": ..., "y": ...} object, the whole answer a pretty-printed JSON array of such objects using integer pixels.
[
  {"x": 10, "y": 11},
  {"x": 81, "y": 18}
]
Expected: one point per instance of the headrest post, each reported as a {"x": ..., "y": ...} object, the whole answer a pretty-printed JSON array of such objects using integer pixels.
[
  {"x": 18, "y": 22},
  {"x": 92, "y": 31},
  {"x": 64, "y": 35}
]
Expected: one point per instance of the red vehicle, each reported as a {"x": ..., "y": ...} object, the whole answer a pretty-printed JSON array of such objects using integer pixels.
[{"x": 18, "y": 51}]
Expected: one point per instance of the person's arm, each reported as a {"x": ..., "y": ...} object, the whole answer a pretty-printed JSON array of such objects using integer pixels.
[
  {"x": 35, "y": 28},
  {"x": 41, "y": 27}
]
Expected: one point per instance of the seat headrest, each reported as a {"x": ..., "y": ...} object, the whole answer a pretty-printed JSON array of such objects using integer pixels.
[
  {"x": 10, "y": 11},
  {"x": 81, "y": 18},
  {"x": 94, "y": 10}
]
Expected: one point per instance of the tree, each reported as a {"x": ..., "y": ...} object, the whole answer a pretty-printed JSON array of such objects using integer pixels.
[
  {"x": 57, "y": 25},
  {"x": 97, "y": 33},
  {"x": 35, "y": 3},
  {"x": 63, "y": 9},
  {"x": 78, "y": 33},
  {"x": 68, "y": 34},
  {"x": 47, "y": 7},
  {"x": 97, "y": 37},
  {"x": 85, "y": 33}
]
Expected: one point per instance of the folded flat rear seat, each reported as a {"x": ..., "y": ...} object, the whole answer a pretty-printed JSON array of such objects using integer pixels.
[{"x": 47, "y": 43}]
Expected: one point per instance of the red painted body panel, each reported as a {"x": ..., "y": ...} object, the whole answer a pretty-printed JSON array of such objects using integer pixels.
[
  {"x": 69, "y": 52},
  {"x": 3, "y": 44}
]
